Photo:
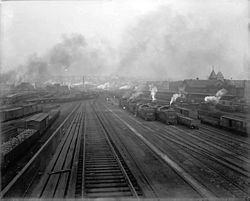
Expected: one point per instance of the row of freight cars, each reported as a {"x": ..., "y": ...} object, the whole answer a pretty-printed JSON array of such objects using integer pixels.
[
  {"x": 15, "y": 146},
  {"x": 63, "y": 99},
  {"x": 224, "y": 120},
  {"x": 165, "y": 114},
  {"x": 189, "y": 117},
  {"x": 19, "y": 111}
]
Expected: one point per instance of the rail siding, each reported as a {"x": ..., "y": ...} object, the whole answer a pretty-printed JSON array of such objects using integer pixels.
[
  {"x": 39, "y": 161},
  {"x": 188, "y": 178}
]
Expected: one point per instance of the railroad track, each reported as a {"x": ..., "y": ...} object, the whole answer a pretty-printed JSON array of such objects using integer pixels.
[
  {"x": 232, "y": 161},
  {"x": 55, "y": 183},
  {"x": 105, "y": 172},
  {"x": 225, "y": 143},
  {"x": 197, "y": 152},
  {"x": 138, "y": 168},
  {"x": 22, "y": 185},
  {"x": 227, "y": 135}
]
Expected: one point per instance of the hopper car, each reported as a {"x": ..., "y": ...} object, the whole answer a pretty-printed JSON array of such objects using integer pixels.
[
  {"x": 146, "y": 112},
  {"x": 166, "y": 115}
]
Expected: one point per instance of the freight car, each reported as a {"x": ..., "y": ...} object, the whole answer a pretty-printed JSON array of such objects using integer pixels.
[
  {"x": 228, "y": 108},
  {"x": 166, "y": 115},
  {"x": 11, "y": 113},
  {"x": 186, "y": 112},
  {"x": 17, "y": 146},
  {"x": 53, "y": 115},
  {"x": 38, "y": 121},
  {"x": 19, "y": 112},
  {"x": 237, "y": 124},
  {"x": 146, "y": 112},
  {"x": 189, "y": 122}
]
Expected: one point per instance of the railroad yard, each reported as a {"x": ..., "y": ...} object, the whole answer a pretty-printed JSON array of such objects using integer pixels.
[
  {"x": 102, "y": 150},
  {"x": 125, "y": 100}
]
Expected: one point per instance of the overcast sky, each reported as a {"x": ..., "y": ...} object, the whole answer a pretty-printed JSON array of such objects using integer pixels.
[{"x": 29, "y": 27}]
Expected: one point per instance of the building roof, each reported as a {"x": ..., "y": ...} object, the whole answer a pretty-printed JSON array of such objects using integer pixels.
[
  {"x": 212, "y": 75},
  {"x": 201, "y": 83},
  {"x": 220, "y": 76}
]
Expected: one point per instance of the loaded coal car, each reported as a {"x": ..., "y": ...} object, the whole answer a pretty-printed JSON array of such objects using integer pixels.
[
  {"x": 166, "y": 115},
  {"x": 146, "y": 112},
  {"x": 11, "y": 113},
  {"x": 17, "y": 146},
  {"x": 238, "y": 124},
  {"x": 187, "y": 121}
]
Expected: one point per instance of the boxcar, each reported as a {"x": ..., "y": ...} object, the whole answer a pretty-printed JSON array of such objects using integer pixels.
[
  {"x": 235, "y": 123},
  {"x": 189, "y": 122},
  {"x": 38, "y": 121},
  {"x": 186, "y": 112},
  {"x": 13, "y": 113}
]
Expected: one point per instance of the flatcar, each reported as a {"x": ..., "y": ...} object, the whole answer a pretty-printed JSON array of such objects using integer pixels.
[
  {"x": 166, "y": 115},
  {"x": 187, "y": 121}
]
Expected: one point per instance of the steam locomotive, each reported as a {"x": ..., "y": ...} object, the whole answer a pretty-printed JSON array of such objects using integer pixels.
[{"x": 149, "y": 111}]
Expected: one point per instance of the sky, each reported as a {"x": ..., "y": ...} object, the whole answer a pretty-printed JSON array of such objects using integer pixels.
[{"x": 158, "y": 39}]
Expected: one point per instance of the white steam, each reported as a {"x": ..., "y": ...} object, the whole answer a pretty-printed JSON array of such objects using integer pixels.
[
  {"x": 104, "y": 86},
  {"x": 174, "y": 98},
  {"x": 153, "y": 90},
  {"x": 125, "y": 87},
  {"x": 181, "y": 94},
  {"x": 215, "y": 99},
  {"x": 137, "y": 91}
]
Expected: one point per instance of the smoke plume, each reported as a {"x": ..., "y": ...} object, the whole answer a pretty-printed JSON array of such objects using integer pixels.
[
  {"x": 104, "y": 86},
  {"x": 181, "y": 94},
  {"x": 137, "y": 91},
  {"x": 72, "y": 56},
  {"x": 174, "y": 98},
  {"x": 168, "y": 45},
  {"x": 153, "y": 90},
  {"x": 215, "y": 99},
  {"x": 125, "y": 87}
]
